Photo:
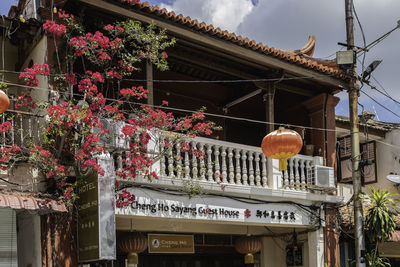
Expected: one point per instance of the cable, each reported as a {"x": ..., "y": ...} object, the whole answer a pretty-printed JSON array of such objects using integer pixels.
[
  {"x": 363, "y": 36},
  {"x": 9, "y": 182},
  {"x": 202, "y": 81},
  {"x": 190, "y": 111},
  {"x": 387, "y": 95},
  {"x": 218, "y": 115},
  {"x": 380, "y": 104},
  {"x": 334, "y": 53},
  {"x": 383, "y": 88}
]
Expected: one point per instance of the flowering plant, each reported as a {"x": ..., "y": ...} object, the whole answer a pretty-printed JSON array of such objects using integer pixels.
[{"x": 92, "y": 95}]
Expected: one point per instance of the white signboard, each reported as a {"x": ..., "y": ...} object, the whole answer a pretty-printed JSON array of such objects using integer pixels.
[{"x": 214, "y": 208}]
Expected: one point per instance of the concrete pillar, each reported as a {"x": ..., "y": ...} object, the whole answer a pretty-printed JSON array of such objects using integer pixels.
[
  {"x": 274, "y": 174},
  {"x": 316, "y": 248},
  {"x": 273, "y": 253}
]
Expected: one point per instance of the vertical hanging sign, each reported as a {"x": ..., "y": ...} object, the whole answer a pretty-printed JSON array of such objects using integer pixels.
[{"x": 96, "y": 210}]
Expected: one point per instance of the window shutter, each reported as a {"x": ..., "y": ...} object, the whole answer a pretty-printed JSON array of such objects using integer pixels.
[
  {"x": 344, "y": 165},
  {"x": 369, "y": 172},
  {"x": 8, "y": 238}
]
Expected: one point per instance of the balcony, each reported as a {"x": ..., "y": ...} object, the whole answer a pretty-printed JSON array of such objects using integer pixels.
[
  {"x": 25, "y": 132},
  {"x": 235, "y": 168},
  {"x": 25, "y": 129},
  {"x": 225, "y": 166}
]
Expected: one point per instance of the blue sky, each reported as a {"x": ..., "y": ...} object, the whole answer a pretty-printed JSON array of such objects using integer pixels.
[
  {"x": 286, "y": 24},
  {"x": 5, "y": 6}
]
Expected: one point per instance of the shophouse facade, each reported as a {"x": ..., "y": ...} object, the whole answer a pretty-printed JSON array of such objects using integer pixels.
[
  {"x": 379, "y": 145},
  {"x": 234, "y": 191}
]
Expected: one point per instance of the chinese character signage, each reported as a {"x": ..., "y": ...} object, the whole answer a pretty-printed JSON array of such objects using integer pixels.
[{"x": 214, "y": 208}]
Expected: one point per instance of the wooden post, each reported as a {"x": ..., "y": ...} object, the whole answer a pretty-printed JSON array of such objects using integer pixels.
[
  {"x": 268, "y": 98},
  {"x": 149, "y": 82}
]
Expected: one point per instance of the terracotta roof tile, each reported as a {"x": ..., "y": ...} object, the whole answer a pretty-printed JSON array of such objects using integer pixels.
[
  {"x": 373, "y": 124},
  {"x": 300, "y": 57},
  {"x": 27, "y": 201}
]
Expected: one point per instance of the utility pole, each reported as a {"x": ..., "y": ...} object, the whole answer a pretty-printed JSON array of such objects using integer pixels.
[{"x": 355, "y": 143}]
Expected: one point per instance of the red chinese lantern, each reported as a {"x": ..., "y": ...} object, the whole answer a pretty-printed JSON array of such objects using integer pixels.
[
  {"x": 4, "y": 102},
  {"x": 133, "y": 244},
  {"x": 282, "y": 144},
  {"x": 248, "y": 245}
]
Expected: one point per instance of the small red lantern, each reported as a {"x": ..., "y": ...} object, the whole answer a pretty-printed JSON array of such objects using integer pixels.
[
  {"x": 282, "y": 144},
  {"x": 248, "y": 245},
  {"x": 4, "y": 102}
]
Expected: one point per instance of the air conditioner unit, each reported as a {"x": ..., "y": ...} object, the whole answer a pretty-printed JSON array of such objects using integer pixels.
[{"x": 321, "y": 176}]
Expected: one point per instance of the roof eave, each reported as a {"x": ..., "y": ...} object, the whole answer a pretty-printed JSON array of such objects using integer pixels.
[{"x": 218, "y": 44}]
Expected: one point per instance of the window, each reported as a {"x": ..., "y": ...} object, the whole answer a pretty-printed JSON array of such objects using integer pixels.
[{"x": 344, "y": 167}]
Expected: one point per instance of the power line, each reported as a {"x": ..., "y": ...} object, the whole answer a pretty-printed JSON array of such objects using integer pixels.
[
  {"x": 363, "y": 36},
  {"x": 385, "y": 94},
  {"x": 383, "y": 88},
  {"x": 203, "y": 81},
  {"x": 380, "y": 104},
  {"x": 219, "y": 115},
  {"x": 184, "y": 110}
]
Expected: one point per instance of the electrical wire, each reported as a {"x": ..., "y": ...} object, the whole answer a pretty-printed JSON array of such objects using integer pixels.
[
  {"x": 383, "y": 88},
  {"x": 331, "y": 55},
  {"x": 384, "y": 94},
  {"x": 188, "y": 111},
  {"x": 363, "y": 37},
  {"x": 380, "y": 104},
  {"x": 201, "y": 81},
  {"x": 216, "y": 115}
]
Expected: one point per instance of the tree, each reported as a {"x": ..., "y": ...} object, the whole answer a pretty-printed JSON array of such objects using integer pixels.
[
  {"x": 379, "y": 222},
  {"x": 89, "y": 83}
]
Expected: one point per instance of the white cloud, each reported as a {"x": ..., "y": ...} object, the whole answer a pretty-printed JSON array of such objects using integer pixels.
[
  {"x": 226, "y": 14},
  {"x": 286, "y": 24}
]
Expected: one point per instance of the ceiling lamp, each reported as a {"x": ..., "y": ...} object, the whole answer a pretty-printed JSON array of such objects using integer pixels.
[
  {"x": 248, "y": 245},
  {"x": 4, "y": 102},
  {"x": 282, "y": 144},
  {"x": 133, "y": 244}
]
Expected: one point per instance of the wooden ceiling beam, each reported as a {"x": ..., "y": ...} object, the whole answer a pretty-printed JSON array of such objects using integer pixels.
[
  {"x": 227, "y": 48},
  {"x": 239, "y": 74}
]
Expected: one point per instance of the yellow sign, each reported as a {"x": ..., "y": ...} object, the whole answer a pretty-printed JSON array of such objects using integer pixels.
[{"x": 159, "y": 243}]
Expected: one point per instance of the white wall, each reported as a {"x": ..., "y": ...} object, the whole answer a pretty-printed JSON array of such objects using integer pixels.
[
  {"x": 388, "y": 161},
  {"x": 39, "y": 55}
]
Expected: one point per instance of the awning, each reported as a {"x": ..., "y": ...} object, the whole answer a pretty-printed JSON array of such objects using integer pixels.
[{"x": 26, "y": 201}]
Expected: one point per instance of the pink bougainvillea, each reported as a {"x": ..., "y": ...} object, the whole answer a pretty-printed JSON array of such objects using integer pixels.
[{"x": 74, "y": 125}]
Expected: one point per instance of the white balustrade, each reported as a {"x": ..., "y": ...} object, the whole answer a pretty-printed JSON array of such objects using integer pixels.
[
  {"x": 25, "y": 129},
  {"x": 202, "y": 159},
  {"x": 219, "y": 162}
]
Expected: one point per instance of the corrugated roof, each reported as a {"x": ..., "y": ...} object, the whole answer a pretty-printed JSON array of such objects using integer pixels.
[
  {"x": 27, "y": 201},
  {"x": 299, "y": 57}
]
